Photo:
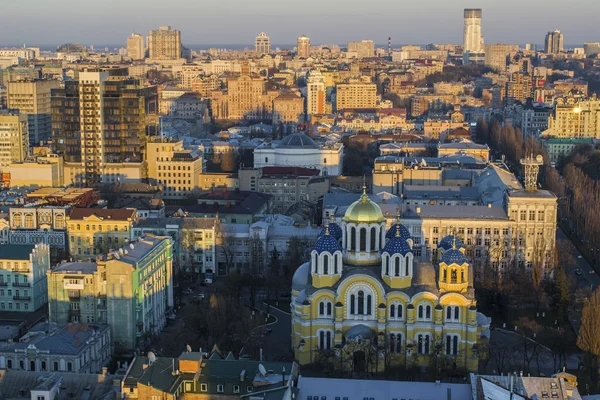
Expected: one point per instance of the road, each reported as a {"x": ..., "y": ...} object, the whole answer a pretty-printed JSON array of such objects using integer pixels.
[
  {"x": 588, "y": 278},
  {"x": 277, "y": 344}
]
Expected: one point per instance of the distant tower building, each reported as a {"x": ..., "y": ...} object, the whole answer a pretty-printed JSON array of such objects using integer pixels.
[
  {"x": 389, "y": 46},
  {"x": 164, "y": 44},
  {"x": 262, "y": 44},
  {"x": 135, "y": 47},
  {"x": 315, "y": 93},
  {"x": 532, "y": 168},
  {"x": 554, "y": 43},
  {"x": 472, "y": 38},
  {"x": 303, "y": 47}
]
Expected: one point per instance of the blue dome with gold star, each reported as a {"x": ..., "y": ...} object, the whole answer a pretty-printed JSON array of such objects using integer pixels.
[
  {"x": 334, "y": 230},
  {"x": 447, "y": 242},
  {"x": 454, "y": 256},
  {"x": 327, "y": 243},
  {"x": 404, "y": 233}
]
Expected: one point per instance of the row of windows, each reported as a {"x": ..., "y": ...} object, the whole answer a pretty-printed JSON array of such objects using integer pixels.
[{"x": 100, "y": 228}]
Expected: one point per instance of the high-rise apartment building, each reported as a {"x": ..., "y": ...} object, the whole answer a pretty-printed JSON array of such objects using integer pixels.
[
  {"x": 363, "y": 49},
  {"x": 164, "y": 44},
  {"x": 262, "y": 44},
  {"x": 472, "y": 39},
  {"x": 14, "y": 139},
  {"x": 315, "y": 93},
  {"x": 356, "y": 95},
  {"x": 575, "y": 118},
  {"x": 591, "y": 48},
  {"x": 135, "y": 47},
  {"x": 496, "y": 55},
  {"x": 303, "y": 47},
  {"x": 100, "y": 124},
  {"x": 554, "y": 42},
  {"x": 32, "y": 98}
]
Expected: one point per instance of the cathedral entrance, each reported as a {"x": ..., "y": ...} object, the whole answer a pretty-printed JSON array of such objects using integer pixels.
[{"x": 359, "y": 361}]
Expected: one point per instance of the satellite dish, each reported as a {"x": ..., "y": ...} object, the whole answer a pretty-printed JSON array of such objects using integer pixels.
[
  {"x": 262, "y": 370},
  {"x": 189, "y": 348},
  {"x": 151, "y": 358},
  {"x": 539, "y": 158}
]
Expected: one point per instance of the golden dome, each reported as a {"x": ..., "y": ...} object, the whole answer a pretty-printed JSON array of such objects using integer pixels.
[{"x": 364, "y": 210}]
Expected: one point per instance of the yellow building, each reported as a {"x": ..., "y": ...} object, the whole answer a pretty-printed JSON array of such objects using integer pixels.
[
  {"x": 94, "y": 231},
  {"x": 356, "y": 95},
  {"x": 14, "y": 139},
  {"x": 574, "y": 117},
  {"x": 44, "y": 171},
  {"x": 364, "y": 295},
  {"x": 288, "y": 108}
]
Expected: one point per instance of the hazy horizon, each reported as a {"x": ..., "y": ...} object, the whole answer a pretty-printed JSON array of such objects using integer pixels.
[{"x": 42, "y": 23}]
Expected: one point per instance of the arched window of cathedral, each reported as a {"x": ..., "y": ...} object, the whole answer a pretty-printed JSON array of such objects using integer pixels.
[
  {"x": 392, "y": 343},
  {"x": 399, "y": 343},
  {"x": 361, "y": 302},
  {"x": 453, "y": 276},
  {"x": 363, "y": 239},
  {"x": 423, "y": 342},
  {"x": 452, "y": 345},
  {"x": 321, "y": 308},
  {"x": 462, "y": 276},
  {"x": 328, "y": 339},
  {"x": 396, "y": 311},
  {"x": 424, "y": 312},
  {"x": 388, "y": 260},
  {"x": 373, "y": 236},
  {"x": 325, "y": 308},
  {"x": 397, "y": 267},
  {"x": 428, "y": 312},
  {"x": 325, "y": 342},
  {"x": 445, "y": 275},
  {"x": 420, "y": 314},
  {"x": 352, "y": 304},
  {"x": 325, "y": 264},
  {"x": 392, "y": 311},
  {"x": 329, "y": 309},
  {"x": 455, "y": 345},
  {"x": 406, "y": 271},
  {"x": 353, "y": 238},
  {"x": 336, "y": 264},
  {"x": 369, "y": 304},
  {"x": 316, "y": 263}
]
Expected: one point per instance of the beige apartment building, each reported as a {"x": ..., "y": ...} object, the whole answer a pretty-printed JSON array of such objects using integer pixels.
[
  {"x": 303, "y": 47},
  {"x": 574, "y": 117},
  {"x": 14, "y": 139},
  {"x": 356, "y": 95},
  {"x": 136, "y": 50},
  {"x": 496, "y": 54},
  {"x": 173, "y": 168},
  {"x": 288, "y": 108},
  {"x": 43, "y": 171},
  {"x": 363, "y": 49},
  {"x": 164, "y": 44},
  {"x": 32, "y": 97},
  {"x": 315, "y": 93}
]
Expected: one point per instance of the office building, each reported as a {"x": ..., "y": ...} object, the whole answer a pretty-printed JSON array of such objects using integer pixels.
[
  {"x": 262, "y": 44},
  {"x": 364, "y": 287},
  {"x": 246, "y": 97},
  {"x": 94, "y": 231},
  {"x": 42, "y": 171},
  {"x": 130, "y": 289},
  {"x": 473, "y": 49},
  {"x": 14, "y": 140},
  {"x": 100, "y": 125},
  {"x": 135, "y": 47},
  {"x": 299, "y": 150},
  {"x": 356, "y": 95},
  {"x": 23, "y": 284},
  {"x": 315, "y": 93},
  {"x": 288, "y": 108},
  {"x": 574, "y": 117},
  {"x": 554, "y": 42},
  {"x": 362, "y": 49},
  {"x": 72, "y": 348},
  {"x": 303, "y": 47},
  {"x": 164, "y": 44},
  {"x": 175, "y": 169},
  {"x": 47, "y": 385},
  {"x": 32, "y": 98}
]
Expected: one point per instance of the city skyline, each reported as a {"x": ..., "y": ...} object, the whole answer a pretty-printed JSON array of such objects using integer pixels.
[{"x": 334, "y": 22}]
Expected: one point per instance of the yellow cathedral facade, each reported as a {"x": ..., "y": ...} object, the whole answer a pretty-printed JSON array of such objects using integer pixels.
[{"x": 363, "y": 303}]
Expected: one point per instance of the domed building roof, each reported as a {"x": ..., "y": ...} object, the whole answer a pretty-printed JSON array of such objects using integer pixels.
[
  {"x": 447, "y": 242},
  {"x": 298, "y": 140},
  {"x": 397, "y": 245},
  {"x": 359, "y": 330},
  {"x": 454, "y": 256},
  {"x": 327, "y": 243},
  {"x": 300, "y": 278},
  {"x": 404, "y": 233},
  {"x": 424, "y": 275},
  {"x": 301, "y": 297},
  {"x": 364, "y": 210},
  {"x": 334, "y": 230}
]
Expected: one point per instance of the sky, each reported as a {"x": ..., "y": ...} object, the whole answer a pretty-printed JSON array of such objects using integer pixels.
[{"x": 202, "y": 22}]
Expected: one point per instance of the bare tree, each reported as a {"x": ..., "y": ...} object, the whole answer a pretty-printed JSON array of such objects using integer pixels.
[{"x": 588, "y": 339}]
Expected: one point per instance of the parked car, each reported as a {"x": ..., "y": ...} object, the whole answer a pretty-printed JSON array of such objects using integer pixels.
[
  {"x": 188, "y": 291},
  {"x": 578, "y": 271},
  {"x": 208, "y": 281}
]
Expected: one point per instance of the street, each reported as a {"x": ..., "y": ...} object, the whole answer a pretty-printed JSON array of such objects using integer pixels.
[{"x": 588, "y": 278}]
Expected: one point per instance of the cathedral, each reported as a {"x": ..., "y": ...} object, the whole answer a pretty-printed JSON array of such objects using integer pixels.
[{"x": 363, "y": 303}]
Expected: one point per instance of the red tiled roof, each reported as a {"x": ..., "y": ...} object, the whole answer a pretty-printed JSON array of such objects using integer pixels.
[{"x": 118, "y": 214}]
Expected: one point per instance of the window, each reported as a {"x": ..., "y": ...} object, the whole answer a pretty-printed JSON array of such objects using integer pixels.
[
  {"x": 424, "y": 313},
  {"x": 44, "y": 366},
  {"x": 361, "y": 302},
  {"x": 373, "y": 235},
  {"x": 353, "y": 239},
  {"x": 363, "y": 239},
  {"x": 70, "y": 366},
  {"x": 453, "y": 313},
  {"x": 220, "y": 389},
  {"x": 249, "y": 389},
  {"x": 55, "y": 367},
  {"x": 531, "y": 215},
  {"x": 396, "y": 311},
  {"x": 203, "y": 387},
  {"x": 541, "y": 216},
  {"x": 325, "y": 340},
  {"x": 325, "y": 308},
  {"x": 423, "y": 344},
  {"x": 395, "y": 343},
  {"x": 236, "y": 388},
  {"x": 452, "y": 345}
]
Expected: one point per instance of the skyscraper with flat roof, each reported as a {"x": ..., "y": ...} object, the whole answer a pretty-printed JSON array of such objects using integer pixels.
[
  {"x": 262, "y": 44},
  {"x": 303, "y": 47},
  {"x": 472, "y": 38},
  {"x": 135, "y": 47},
  {"x": 554, "y": 42},
  {"x": 164, "y": 44}
]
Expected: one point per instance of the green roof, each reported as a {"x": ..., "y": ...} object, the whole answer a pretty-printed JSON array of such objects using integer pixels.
[{"x": 16, "y": 251}]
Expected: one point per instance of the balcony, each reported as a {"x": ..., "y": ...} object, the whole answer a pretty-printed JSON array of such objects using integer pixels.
[
  {"x": 22, "y": 298},
  {"x": 74, "y": 312},
  {"x": 21, "y": 284},
  {"x": 3, "y": 283}
]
